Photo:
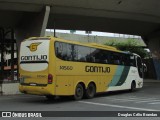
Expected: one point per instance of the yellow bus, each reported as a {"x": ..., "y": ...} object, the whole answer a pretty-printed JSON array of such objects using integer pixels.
[{"x": 51, "y": 66}]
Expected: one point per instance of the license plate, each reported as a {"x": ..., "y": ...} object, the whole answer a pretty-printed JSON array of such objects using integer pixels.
[{"x": 33, "y": 84}]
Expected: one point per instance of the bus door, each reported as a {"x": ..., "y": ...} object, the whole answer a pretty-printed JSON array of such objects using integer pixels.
[{"x": 140, "y": 67}]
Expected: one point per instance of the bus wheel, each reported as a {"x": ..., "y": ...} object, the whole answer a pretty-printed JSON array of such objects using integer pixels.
[
  {"x": 133, "y": 86},
  {"x": 91, "y": 90},
  {"x": 79, "y": 91}
]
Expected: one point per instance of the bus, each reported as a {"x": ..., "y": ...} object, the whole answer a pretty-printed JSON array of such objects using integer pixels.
[{"x": 52, "y": 66}]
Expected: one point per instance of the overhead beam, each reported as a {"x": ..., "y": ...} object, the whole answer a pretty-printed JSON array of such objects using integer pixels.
[{"x": 32, "y": 25}]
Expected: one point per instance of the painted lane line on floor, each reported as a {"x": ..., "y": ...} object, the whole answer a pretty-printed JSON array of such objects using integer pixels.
[
  {"x": 154, "y": 103},
  {"x": 135, "y": 101},
  {"x": 121, "y": 100},
  {"x": 118, "y": 106},
  {"x": 125, "y": 100},
  {"x": 133, "y": 98},
  {"x": 138, "y": 100},
  {"x": 148, "y": 101}
]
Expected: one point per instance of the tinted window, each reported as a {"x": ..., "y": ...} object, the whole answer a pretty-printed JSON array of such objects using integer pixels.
[
  {"x": 72, "y": 52},
  {"x": 83, "y": 54},
  {"x": 65, "y": 51}
]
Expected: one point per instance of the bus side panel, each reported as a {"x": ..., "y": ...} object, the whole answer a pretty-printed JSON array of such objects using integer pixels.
[
  {"x": 104, "y": 82},
  {"x": 131, "y": 76},
  {"x": 64, "y": 85},
  {"x": 69, "y": 74}
]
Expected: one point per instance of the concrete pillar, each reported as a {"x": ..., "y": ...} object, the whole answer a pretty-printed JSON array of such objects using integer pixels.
[
  {"x": 12, "y": 54},
  {"x": 32, "y": 24},
  {"x": 153, "y": 42},
  {"x": 1, "y": 55}
]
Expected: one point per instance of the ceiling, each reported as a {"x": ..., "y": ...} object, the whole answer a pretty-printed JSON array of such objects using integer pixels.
[{"x": 136, "y": 17}]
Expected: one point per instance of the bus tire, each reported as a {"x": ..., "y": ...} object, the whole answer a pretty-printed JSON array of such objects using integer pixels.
[
  {"x": 133, "y": 86},
  {"x": 79, "y": 92},
  {"x": 90, "y": 91}
]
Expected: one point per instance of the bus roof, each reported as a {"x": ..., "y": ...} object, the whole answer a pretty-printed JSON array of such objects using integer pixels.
[
  {"x": 95, "y": 45},
  {"x": 104, "y": 46}
]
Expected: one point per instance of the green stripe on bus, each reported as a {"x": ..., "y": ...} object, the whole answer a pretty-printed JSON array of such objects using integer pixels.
[
  {"x": 117, "y": 76},
  {"x": 123, "y": 76}
]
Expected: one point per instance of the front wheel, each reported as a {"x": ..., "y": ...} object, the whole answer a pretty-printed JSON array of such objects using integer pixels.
[
  {"x": 90, "y": 91},
  {"x": 79, "y": 91},
  {"x": 133, "y": 86}
]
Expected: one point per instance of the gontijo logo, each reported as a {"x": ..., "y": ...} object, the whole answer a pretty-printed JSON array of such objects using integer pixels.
[{"x": 33, "y": 46}]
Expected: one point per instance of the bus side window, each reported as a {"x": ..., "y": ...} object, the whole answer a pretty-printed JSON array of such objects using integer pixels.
[
  {"x": 64, "y": 50},
  {"x": 58, "y": 51},
  {"x": 115, "y": 59},
  {"x": 104, "y": 56},
  {"x": 74, "y": 52},
  {"x": 127, "y": 60},
  {"x": 69, "y": 52},
  {"x": 122, "y": 60},
  {"x": 92, "y": 59},
  {"x": 83, "y": 53},
  {"x": 132, "y": 60},
  {"x": 58, "y": 54}
]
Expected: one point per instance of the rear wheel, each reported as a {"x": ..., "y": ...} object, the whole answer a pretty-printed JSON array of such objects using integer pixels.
[
  {"x": 79, "y": 92},
  {"x": 91, "y": 90}
]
